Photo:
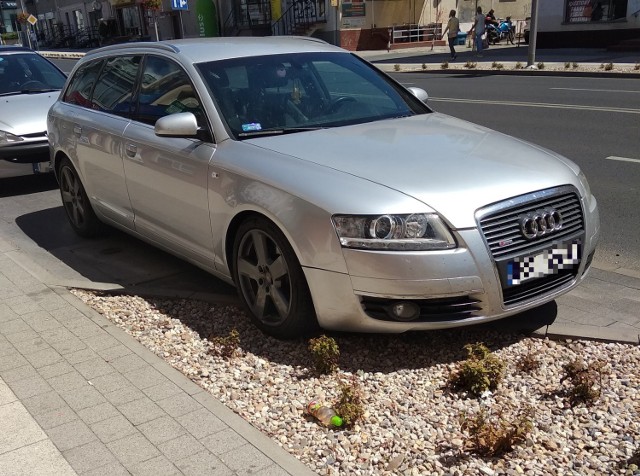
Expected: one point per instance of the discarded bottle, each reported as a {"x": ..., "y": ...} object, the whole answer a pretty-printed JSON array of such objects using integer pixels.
[{"x": 325, "y": 415}]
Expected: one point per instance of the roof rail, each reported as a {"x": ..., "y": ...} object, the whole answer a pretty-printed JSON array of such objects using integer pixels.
[{"x": 136, "y": 44}]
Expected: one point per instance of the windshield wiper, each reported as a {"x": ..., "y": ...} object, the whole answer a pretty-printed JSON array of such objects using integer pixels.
[
  {"x": 10, "y": 93},
  {"x": 278, "y": 131},
  {"x": 38, "y": 90}
]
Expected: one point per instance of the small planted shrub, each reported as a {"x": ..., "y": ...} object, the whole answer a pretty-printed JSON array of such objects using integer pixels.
[
  {"x": 608, "y": 66},
  {"x": 396, "y": 67},
  {"x": 497, "y": 65},
  {"x": 540, "y": 65},
  {"x": 444, "y": 65},
  {"x": 585, "y": 381},
  {"x": 529, "y": 361},
  {"x": 225, "y": 346},
  {"x": 636, "y": 66},
  {"x": 567, "y": 65},
  {"x": 325, "y": 354},
  {"x": 424, "y": 66},
  {"x": 482, "y": 371},
  {"x": 574, "y": 65},
  {"x": 470, "y": 64},
  {"x": 492, "y": 435},
  {"x": 350, "y": 406},
  {"x": 518, "y": 65}
]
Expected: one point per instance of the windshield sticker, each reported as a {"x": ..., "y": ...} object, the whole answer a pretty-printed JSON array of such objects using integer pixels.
[{"x": 254, "y": 126}]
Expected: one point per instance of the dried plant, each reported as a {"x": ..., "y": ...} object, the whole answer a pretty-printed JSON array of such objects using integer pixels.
[
  {"x": 444, "y": 65},
  {"x": 495, "y": 434},
  {"x": 529, "y": 361},
  {"x": 225, "y": 346},
  {"x": 585, "y": 381},
  {"x": 482, "y": 371},
  {"x": 325, "y": 354},
  {"x": 350, "y": 405}
]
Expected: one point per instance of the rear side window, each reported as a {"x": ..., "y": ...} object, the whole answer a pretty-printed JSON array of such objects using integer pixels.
[
  {"x": 166, "y": 89},
  {"x": 81, "y": 85},
  {"x": 113, "y": 92}
]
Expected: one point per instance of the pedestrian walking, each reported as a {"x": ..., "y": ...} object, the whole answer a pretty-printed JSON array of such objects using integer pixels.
[
  {"x": 478, "y": 29},
  {"x": 453, "y": 27}
]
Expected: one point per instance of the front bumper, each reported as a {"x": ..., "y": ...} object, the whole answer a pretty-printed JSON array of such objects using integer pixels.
[{"x": 26, "y": 152}]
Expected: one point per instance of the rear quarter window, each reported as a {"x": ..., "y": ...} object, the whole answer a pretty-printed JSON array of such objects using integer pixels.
[{"x": 81, "y": 84}]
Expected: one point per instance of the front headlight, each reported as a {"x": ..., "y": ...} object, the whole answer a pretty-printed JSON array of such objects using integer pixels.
[
  {"x": 7, "y": 138},
  {"x": 585, "y": 183},
  {"x": 415, "y": 232}
]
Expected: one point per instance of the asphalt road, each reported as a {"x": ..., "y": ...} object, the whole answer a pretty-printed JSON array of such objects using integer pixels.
[{"x": 589, "y": 120}]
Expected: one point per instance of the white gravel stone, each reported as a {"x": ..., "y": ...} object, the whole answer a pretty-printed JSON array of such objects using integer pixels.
[{"x": 412, "y": 423}]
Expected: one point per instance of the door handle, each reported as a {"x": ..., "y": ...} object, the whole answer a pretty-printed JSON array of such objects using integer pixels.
[
  {"x": 77, "y": 130},
  {"x": 131, "y": 150}
]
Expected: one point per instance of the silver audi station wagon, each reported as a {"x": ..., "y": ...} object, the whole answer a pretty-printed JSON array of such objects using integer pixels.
[{"x": 328, "y": 193}]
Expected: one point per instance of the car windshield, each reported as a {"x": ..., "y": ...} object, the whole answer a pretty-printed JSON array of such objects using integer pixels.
[
  {"x": 28, "y": 73},
  {"x": 279, "y": 94}
]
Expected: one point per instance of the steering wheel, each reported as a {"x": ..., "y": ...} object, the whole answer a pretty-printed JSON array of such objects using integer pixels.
[
  {"x": 33, "y": 84},
  {"x": 341, "y": 101}
]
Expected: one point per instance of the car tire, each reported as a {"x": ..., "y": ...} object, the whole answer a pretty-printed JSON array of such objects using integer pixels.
[
  {"x": 76, "y": 203},
  {"x": 270, "y": 281}
]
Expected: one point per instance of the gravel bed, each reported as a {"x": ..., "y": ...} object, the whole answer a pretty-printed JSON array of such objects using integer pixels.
[{"x": 412, "y": 422}]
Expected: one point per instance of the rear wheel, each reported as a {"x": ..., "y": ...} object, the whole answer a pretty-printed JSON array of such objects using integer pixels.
[
  {"x": 76, "y": 204},
  {"x": 270, "y": 281}
]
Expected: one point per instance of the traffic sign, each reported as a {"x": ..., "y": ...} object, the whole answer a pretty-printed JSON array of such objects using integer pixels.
[
  {"x": 33, "y": 20},
  {"x": 179, "y": 5}
]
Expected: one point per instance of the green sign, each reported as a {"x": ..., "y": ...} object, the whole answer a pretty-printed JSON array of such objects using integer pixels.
[{"x": 207, "y": 18}]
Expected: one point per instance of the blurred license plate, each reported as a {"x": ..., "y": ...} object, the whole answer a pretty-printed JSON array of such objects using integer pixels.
[{"x": 543, "y": 264}]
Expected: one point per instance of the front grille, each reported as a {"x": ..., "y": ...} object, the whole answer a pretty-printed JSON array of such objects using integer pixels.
[
  {"x": 500, "y": 226},
  {"x": 431, "y": 310}
]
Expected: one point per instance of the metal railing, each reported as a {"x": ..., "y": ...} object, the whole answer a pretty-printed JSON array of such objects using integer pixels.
[
  {"x": 415, "y": 33},
  {"x": 299, "y": 18}
]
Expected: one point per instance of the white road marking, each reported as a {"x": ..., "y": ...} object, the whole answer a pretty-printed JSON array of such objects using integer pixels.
[
  {"x": 597, "y": 90},
  {"x": 539, "y": 104},
  {"x": 622, "y": 159}
]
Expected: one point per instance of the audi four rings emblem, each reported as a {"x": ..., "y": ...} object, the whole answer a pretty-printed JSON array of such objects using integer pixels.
[{"x": 539, "y": 223}]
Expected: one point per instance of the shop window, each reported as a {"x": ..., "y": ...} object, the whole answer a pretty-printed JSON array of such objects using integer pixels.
[{"x": 582, "y": 11}]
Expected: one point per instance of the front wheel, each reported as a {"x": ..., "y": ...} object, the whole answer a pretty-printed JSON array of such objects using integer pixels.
[
  {"x": 76, "y": 204},
  {"x": 270, "y": 281}
]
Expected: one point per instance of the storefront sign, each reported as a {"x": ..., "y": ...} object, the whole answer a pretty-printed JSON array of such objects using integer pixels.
[
  {"x": 353, "y": 9},
  {"x": 207, "y": 18},
  {"x": 578, "y": 11}
]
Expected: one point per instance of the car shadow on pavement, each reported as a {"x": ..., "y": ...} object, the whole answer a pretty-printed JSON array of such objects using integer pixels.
[{"x": 28, "y": 184}]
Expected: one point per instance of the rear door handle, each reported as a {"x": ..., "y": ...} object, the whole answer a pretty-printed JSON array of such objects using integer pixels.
[
  {"x": 77, "y": 130},
  {"x": 131, "y": 150}
]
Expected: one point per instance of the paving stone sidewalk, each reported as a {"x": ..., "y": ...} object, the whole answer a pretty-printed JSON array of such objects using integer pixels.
[{"x": 80, "y": 396}]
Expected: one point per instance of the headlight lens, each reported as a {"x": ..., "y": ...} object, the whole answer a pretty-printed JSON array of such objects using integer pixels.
[
  {"x": 585, "y": 183},
  {"x": 414, "y": 232},
  {"x": 7, "y": 138}
]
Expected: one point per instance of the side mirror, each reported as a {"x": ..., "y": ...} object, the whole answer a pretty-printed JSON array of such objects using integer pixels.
[
  {"x": 181, "y": 124},
  {"x": 419, "y": 93}
]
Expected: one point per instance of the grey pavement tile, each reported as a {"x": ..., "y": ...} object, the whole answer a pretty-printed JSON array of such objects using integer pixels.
[
  {"x": 133, "y": 449},
  {"x": 30, "y": 387},
  {"x": 113, "y": 428},
  {"x": 40, "y": 458},
  {"x": 14, "y": 326},
  {"x": 6, "y": 313},
  {"x": 154, "y": 467},
  {"x": 101, "y": 342},
  {"x": 43, "y": 403},
  {"x": 112, "y": 469},
  {"x": 111, "y": 382},
  {"x": 91, "y": 369},
  {"x": 273, "y": 470},
  {"x": 144, "y": 377},
  {"x": 124, "y": 395},
  {"x": 6, "y": 395},
  {"x": 69, "y": 346},
  {"x": 81, "y": 356},
  {"x": 18, "y": 373},
  {"x": 97, "y": 413},
  {"x": 178, "y": 405},
  {"x": 29, "y": 346},
  {"x": 161, "y": 429},
  {"x": 627, "y": 306},
  {"x": 6, "y": 347},
  {"x": 69, "y": 435},
  {"x": 50, "y": 301},
  {"x": 223, "y": 441},
  {"x": 54, "y": 370},
  {"x": 8, "y": 290},
  {"x": 68, "y": 314},
  {"x": 246, "y": 459},
  {"x": 68, "y": 381},
  {"x": 22, "y": 304},
  {"x": 89, "y": 457},
  {"x": 181, "y": 447},
  {"x": 201, "y": 423},
  {"x": 112, "y": 353},
  {"x": 82, "y": 397},
  {"x": 27, "y": 334},
  {"x": 57, "y": 335},
  {"x": 161, "y": 391},
  {"x": 87, "y": 330},
  {"x": 140, "y": 411},
  {"x": 203, "y": 463},
  {"x": 18, "y": 428},
  {"x": 43, "y": 358},
  {"x": 41, "y": 321},
  {"x": 11, "y": 361},
  {"x": 56, "y": 417},
  {"x": 128, "y": 362}
]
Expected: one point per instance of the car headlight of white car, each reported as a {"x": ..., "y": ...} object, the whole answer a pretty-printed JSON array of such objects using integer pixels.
[
  {"x": 8, "y": 138},
  {"x": 413, "y": 232}
]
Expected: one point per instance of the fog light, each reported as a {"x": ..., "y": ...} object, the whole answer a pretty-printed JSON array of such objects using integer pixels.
[{"x": 405, "y": 311}]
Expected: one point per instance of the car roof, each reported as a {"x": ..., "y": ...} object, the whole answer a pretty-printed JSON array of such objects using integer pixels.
[
  {"x": 16, "y": 49},
  {"x": 211, "y": 49}
]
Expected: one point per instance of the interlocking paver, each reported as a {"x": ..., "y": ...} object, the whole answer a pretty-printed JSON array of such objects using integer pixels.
[
  {"x": 141, "y": 410},
  {"x": 178, "y": 405},
  {"x": 56, "y": 417},
  {"x": 80, "y": 356},
  {"x": 83, "y": 397},
  {"x": 6, "y": 347},
  {"x": 18, "y": 428},
  {"x": 181, "y": 447},
  {"x": 29, "y": 346},
  {"x": 101, "y": 341},
  {"x": 161, "y": 391},
  {"x": 201, "y": 423},
  {"x": 41, "y": 321},
  {"x": 246, "y": 459},
  {"x": 14, "y": 326},
  {"x": 112, "y": 353},
  {"x": 40, "y": 458},
  {"x": 30, "y": 387},
  {"x": 223, "y": 441},
  {"x": 22, "y": 304},
  {"x": 90, "y": 369},
  {"x": 86, "y": 330},
  {"x": 43, "y": 358},
  {"x": 69, "y": 435},
  {"x": 124, "y": 395},
  {"x": 154, "y": 467},
  {"x": 43, "y": 403},
  {"x": 26, "y": 334},
  {"x": 11, "y": 361},
  {"x": 113, "y": 428},
  {"x": 128, "y": 362},
  {"x": 69, "y": 345},
  {"x": 57, "y": 335},
  {"x": 272, "y": 470},
  {"x": 112, "y": 469},
  {"x": 203, "y": 463},
  {"x": 89, "y": 456},
  {"x": 98, "y": 412},
  {"x": 55, "y": 370},
  {"x": 18, "y": 373},
  {"x": 106, "y": 384},
  {"x": 68, "y": 381},
  {"x": 144, "y": 377},
  {"x": 133, "y": 449},
  {"x": 161, "y": 429},
  {"x": 6, "y": 313}
]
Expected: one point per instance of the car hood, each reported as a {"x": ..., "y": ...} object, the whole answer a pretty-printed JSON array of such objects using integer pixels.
[
  {"x": 453, "y": 166},
  {"x": 26, "y": 113}
]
